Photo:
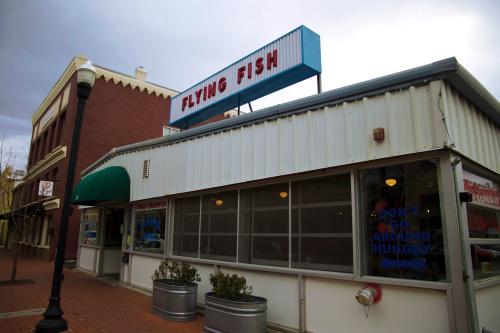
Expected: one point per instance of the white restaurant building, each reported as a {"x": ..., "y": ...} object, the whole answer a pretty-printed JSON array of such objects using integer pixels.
[{"x": 392, "y": 181}]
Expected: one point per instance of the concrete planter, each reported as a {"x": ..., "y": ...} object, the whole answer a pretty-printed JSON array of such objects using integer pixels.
[
  {"x": 233, "y": 316},
  {"x": 173, "y": 302}
]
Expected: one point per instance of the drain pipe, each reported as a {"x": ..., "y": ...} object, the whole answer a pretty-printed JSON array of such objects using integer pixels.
[{"x": 302, "y": 304}]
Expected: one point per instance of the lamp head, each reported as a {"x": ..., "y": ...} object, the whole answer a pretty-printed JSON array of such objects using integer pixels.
[{"x": 86, "y": 74}]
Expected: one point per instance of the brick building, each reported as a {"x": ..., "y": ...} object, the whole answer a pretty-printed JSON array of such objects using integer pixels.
[{"x": 121, "y": 109}]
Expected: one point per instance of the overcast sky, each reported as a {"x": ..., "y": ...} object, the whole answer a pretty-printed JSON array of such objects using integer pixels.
[{"x": 180, "y": 43}]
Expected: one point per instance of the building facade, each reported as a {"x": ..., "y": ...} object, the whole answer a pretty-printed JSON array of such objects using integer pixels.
[
  {"x": 120, "y": 110},
  {"x": 393, "y": 182}
]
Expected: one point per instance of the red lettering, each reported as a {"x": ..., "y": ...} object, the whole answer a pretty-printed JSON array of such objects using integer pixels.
[
  {"x": 198, "y": 94},
  {"x": 212, "y": 89},
  {"x": 249, "y": 70},
  {"x": 191, "y": 104},
  {"x": 272, "y": 59},
  {"x": 241, "y": 74},
  {"x": 205, "y": 93},
  {"x": 259, "y": 65},
  {"x": 222, "y": 84},
  {"x": 184, "y": 103}
]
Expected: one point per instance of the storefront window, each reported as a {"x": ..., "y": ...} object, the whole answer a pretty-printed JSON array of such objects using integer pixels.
[
  {"x": 90, "y": 218},
  {"x": 218, "y": 226},
  {"x": 150, "y": 230},
  {"x": 483, "y": 217},
  {"x": 264, "y": 220},
  {"x": 402, "y": 222},
  {"x": 186, "y": 226},
  {"x": 322, "y": 224}
]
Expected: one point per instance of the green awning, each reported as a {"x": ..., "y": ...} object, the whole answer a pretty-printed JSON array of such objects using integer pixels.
[{"x": 107, "y": 185}]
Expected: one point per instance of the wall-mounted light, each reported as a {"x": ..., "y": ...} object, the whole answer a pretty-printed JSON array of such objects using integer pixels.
[
  {"x": 391, "y": 182},
  {"x": 219, "y": 202},
  {"x": 283, "y": 194}
]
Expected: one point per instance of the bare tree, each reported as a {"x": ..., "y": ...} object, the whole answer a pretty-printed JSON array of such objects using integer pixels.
[{"x": 10, "y": 203}]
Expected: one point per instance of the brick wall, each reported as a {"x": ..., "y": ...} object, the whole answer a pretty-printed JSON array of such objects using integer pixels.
[{"x": 114, "y": 116}]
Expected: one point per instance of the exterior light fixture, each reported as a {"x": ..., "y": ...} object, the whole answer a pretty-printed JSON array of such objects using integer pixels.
[
  {"x": 391, "y": 182},
  {"x": 283, "y": 194},
  {"x": 86, "y": 74},
  {"x": 53, "y": 316},
  {"x": 219, "y": 202}
]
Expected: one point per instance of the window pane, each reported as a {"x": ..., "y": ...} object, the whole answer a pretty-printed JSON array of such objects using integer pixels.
[
  {"x": 485, "y": 261},
  {"x": 186, "y": 226},
  {"x": 219, "y": 225},
  {"x": 483, "y": 213},
  {"x": 322, "y": 224},
  {"x": 150, "y": 230},
  {"x": 483, "y": 222},
  {"x": 264, "y": 225},
  {"x": 90, "y": 222},
  {"x": 402, "y": 222},
  {"x": 323, "y": 253},
  {"x": 264, "y": 250}
]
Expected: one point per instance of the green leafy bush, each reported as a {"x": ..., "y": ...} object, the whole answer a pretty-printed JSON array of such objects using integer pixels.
[
  {"x": 178, "y": 273},
  {"x": 230, "y": 287}
]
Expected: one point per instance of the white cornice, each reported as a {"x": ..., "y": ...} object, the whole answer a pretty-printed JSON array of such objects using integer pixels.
[
  {"x": 101, "y": 72},
  {"x": 75, "y": 63},
  {"x": 126, "y": 80},
  {"x": 55, "y": 156},
  {"x": 52, "y": 204}
]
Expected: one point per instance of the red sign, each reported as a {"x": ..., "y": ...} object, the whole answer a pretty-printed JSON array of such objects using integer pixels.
[
  {"x": 151, "y": 205},
  {"x": 483, "y": 190}
]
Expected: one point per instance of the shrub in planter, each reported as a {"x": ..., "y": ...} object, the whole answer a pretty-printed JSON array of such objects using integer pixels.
[
  {"x": 175, "y": 290},
  {"x": 230, "y": 307}
]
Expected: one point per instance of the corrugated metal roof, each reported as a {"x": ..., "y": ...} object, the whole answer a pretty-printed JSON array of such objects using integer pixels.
[{"x": 448, "y": 69}]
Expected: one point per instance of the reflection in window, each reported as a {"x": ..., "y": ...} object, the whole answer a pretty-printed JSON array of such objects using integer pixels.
[
  {"x": 186, "y": 226},
  {"x": 483, "y": 217},
  {"x": 402, "y": 222},
  {"x": 150, "y": 230},
  {"x": 219, "y": 225},
  {"x": 485, "y": 261},
  {"x": 90, "y": 218},
  {"x": 264, "y": 225},
  {"x": 322, "y": 224},
  {"x": 483, "y": 222}
]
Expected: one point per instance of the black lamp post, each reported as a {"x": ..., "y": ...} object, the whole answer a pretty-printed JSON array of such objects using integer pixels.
[{"x": 53, "y": 320}]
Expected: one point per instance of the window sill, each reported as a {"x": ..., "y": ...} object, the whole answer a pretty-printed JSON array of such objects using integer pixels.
[
  {"x": 320, "y": 274},
  {"x": 90, "y": 246},
  {"x": 146, "y": 254},
  {"x": 486, "y": 283}
]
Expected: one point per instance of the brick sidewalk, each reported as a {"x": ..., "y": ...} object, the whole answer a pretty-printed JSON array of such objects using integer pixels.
[{"x": 89, "y": 305}]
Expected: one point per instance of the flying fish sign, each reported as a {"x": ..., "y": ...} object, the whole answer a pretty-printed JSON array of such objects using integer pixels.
[{"x": 291, "y": 58}]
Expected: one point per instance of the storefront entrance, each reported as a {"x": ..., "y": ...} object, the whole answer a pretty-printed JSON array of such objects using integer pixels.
[{"x": 110, "y": 254}]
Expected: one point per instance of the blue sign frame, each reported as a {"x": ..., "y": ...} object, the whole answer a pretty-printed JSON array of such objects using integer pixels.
[{"x": 309, "y": 66}]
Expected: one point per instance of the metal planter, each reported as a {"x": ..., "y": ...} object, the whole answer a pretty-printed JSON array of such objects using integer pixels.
[
  {"x": 233, "y": 316},
  {"x": 174, "y": 302}
]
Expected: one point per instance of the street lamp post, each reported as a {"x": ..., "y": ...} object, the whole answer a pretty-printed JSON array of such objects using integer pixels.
[{"x": 53, "y": 320}]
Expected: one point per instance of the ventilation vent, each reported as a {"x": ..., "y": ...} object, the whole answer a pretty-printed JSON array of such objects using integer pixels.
[{"x": 145, "y": 169}]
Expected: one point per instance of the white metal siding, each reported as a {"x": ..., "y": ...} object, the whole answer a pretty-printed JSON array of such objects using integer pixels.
[
  {"x": 474, "y": 135},
  {"x": 331, "y": 307},
  {"x": 86, "y": 258},
  {"x": 487, "y": 308},
  {"x": 331, "y": 136}
]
